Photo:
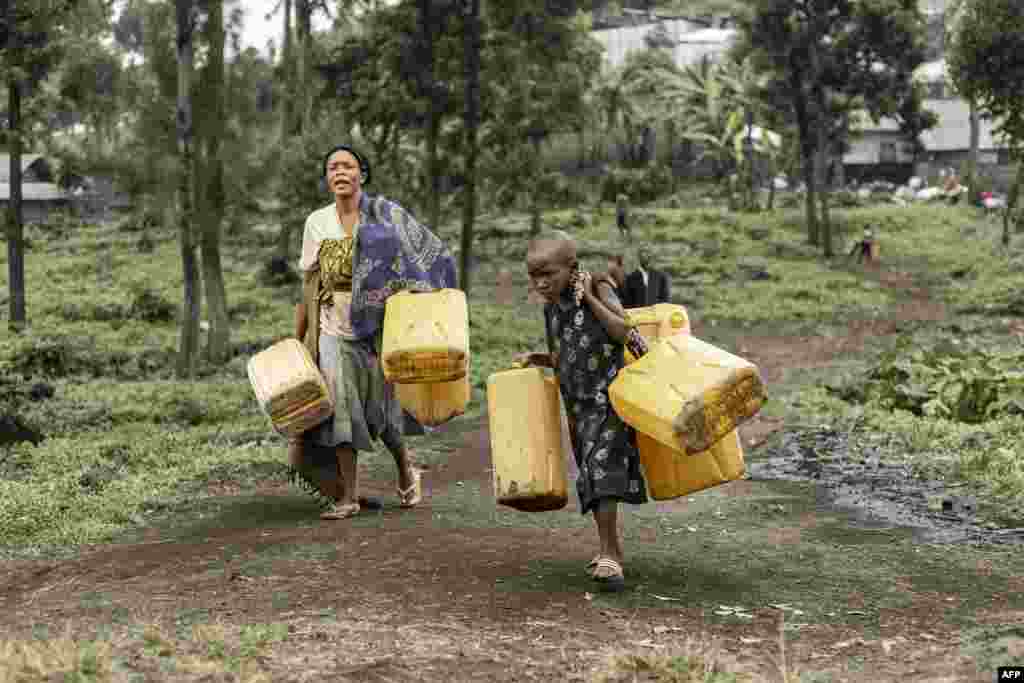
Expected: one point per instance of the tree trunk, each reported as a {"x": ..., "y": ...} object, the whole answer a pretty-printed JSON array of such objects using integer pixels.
[
  {"x": 304, "y": 99},
  {"x": 1011, "y": 202},
  {"x": 972, "y": 155},
  {"x": 212, "y": 208},
  {"x": 190, "y": 271},
  {"x": 811, "y": 198},
  {"x": 670, "y": 134},
  {"x": 821, "y": 167},
  {"x": 806, "y": 142},
  {"x": 284, "y": 236},
  {"x": 287, "y": 101},
  {"x": 535, "y": 204},
  {"x": 472, "y": 57},
  {"x": 15, "y": 227},
  {"x": 433, "y": 128}
]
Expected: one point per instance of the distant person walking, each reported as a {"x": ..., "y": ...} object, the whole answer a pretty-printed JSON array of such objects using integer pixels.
[
  {"x": 863, "y": 248},
  {"x": 621, "y": 217},
  {"x": 645, "y": 286}
]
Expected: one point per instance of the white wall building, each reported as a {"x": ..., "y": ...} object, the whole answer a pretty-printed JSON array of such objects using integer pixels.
[{"x": 690, "y": 42}]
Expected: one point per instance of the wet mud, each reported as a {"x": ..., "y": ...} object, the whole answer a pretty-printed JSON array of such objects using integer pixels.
[{"x": 876, "y": 494}]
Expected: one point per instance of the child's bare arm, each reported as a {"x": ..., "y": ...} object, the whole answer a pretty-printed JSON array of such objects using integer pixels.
[{"x": 606, "y": 306}]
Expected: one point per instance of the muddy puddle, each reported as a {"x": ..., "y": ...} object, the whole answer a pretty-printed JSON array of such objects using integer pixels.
[{"x": 876, "y": 494}]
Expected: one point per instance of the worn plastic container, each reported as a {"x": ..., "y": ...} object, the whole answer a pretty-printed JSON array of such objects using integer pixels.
[
  {"x": 670, "y": 473},
  {"x": 687, "y": 394},
  {"x": 527, "y": 440},
  {"x": 426, "y": 337},
  {"x": 657, "y": 322},
  {"x": 289, "y": 387},
  {"x": 435, "y": 403}
]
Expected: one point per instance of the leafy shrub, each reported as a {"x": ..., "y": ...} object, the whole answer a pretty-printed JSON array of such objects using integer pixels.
[
  {"x": 105, "y": 312},
  {"x": 47, "y": 357},
  {"x": 952, "y": 381},
  {"x": 151, "y": 307},
  {"x": 845, "y": 199},
  {"x": 562, "y": 191},
  {"x": 69, "y": 355},
  {"x": 639, "y": 185},
  {"x": 144, "y": 220}
]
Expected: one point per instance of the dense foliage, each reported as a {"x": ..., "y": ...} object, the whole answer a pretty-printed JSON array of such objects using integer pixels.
[{"x": 953, "y": 381}]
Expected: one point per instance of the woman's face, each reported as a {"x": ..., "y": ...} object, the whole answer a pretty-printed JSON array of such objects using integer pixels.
[{"x": 343, "y": 174}]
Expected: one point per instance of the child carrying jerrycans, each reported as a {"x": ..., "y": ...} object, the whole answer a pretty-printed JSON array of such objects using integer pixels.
[{"x": 586, "y": 335}]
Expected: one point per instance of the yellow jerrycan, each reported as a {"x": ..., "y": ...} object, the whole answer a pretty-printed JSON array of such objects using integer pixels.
[
  {"x": 669, "y": 472},
  {"x": 426, "y": 337},
  {"x": 289, "y": 387},
  {"x": 687, "y": 394},
  {"x": 435, "y": 403},
  {"x": 657, "y": 322},
  {"x": 527, "y": 442}
]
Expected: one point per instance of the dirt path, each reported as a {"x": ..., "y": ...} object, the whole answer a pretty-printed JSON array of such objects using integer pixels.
[
  {"x": 460, "y": 590},
  {"x": 775, "y": 355}
]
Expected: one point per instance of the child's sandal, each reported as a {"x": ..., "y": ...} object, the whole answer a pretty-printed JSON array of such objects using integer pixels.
[
  {"x": 608, "y": 574},
  {"x": 411, "y": 497}
]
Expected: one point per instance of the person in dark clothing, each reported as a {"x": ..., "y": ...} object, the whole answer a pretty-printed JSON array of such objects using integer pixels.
[
  {"x": 621, "y": 209},
  {"x": 645, "y": 286},
  {"x": 863, "y": 248}
]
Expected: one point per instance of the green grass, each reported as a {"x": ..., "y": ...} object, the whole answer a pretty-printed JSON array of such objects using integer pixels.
[
  {"x": 719, "y": 550},
  {"x": 708, "y": 252},
  {"x": 126, "y": 442}
]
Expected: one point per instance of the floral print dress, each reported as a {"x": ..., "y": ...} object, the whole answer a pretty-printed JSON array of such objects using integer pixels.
[{"x": 604, "y": 446}]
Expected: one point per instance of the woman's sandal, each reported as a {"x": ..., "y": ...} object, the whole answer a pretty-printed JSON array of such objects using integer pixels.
[
  {"x": 341, "y": 511},
  {"x": 608, "y": 573},
  {"x": 412, "y": 496},
  {"x": 592, "y": 565}
]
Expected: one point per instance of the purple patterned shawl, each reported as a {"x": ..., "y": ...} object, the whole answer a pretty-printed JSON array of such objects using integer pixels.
[{"x": 393, "y": 252}]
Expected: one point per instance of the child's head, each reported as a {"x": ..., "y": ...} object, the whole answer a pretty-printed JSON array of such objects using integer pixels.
[{"x": 550, "y": 260}]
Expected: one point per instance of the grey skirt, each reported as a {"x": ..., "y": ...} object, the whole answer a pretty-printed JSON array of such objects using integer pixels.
[{"x": 365, "y": 406}]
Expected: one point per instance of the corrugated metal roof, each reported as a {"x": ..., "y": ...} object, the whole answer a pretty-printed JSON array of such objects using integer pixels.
[
  {"x": 5, "y": 164},
  {"x": 35, "y": 192}
]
